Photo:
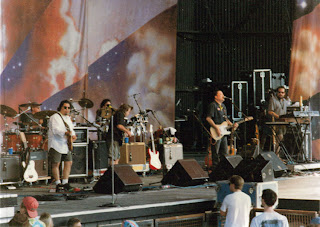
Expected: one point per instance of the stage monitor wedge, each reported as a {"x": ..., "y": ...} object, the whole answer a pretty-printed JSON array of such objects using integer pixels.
[
  {"x": 184, "y": 173},
  {"x": 125, "y": 179}
]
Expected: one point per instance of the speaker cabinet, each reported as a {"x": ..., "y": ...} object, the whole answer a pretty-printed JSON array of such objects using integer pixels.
[
  {"x": 185, "y": 173},
  {"x": 79, "y": 161},
  {"x": 41, "y": 162},
  {"x": 125, "y": 179},
  {"x": 169, "y": 154},
  {"x": 133, "y": 153},
  {"x": 10, "y": 168},
  {"x": 225, "y": 168},
  {"x": 98, "y": 155},
  {"x": 255, "y": 170},
  {"x": 277, "y": 165}
]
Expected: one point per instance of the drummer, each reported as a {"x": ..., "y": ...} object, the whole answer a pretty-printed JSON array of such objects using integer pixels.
[
  {"x": 105, "y": 111},
  {"x": 28, "y": 121}
]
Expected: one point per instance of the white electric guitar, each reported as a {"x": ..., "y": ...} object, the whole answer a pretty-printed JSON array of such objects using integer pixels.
[
  {"x": 224, "y": 127},
  {"x": 154, "y": 163},
  {"x": 30, "y": 173}
]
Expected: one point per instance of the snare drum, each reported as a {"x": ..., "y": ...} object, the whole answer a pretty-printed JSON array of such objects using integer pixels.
[
  {"x": 12, "y": 140},
  {"x": 34, "y": 139}
]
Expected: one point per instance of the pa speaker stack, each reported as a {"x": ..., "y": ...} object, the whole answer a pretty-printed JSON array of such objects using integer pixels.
[
  {"x": 277, "y": 165},
  {"x": 185, "y": 172}
]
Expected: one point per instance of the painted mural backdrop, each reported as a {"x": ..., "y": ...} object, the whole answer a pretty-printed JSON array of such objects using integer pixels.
[
  {"x": 305, "y": 63},
  {"x": 69, "y": 49}
]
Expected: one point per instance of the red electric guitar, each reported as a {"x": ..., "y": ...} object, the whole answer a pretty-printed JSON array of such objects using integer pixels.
[{"x": 154, "y": 163}]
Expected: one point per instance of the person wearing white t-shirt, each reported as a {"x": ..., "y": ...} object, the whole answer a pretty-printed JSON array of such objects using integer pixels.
[
  {"x": 236, "y": 206},
  {"x": 61, "y": 133},
  {"x": 269, "y": 217}
]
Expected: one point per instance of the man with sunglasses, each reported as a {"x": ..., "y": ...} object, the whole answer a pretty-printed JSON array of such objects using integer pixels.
[
  {"x": 278, "y": 106},
  {"x": 60, "y": 129}
]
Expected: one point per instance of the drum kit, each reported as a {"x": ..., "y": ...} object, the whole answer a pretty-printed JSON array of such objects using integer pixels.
[{"x": 26, "y": 134}]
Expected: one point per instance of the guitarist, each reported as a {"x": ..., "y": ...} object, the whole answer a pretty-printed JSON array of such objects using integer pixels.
[
  {"x": 59, "y": 135},
  {"x": 217, "y": 114}
]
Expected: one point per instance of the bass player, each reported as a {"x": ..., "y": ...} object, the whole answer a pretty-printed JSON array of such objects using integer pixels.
[
  {"x": 216, "y": 115},
  {"x": 60, "y": 138}
]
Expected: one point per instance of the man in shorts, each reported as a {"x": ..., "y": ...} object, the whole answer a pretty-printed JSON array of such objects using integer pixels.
[{"x": 59, "y": 135}]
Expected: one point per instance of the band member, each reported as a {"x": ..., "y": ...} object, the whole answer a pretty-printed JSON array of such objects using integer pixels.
[
  {"x": 217, "y": 114},
  {"x": 28, "y": 120},
  {"x": 278, "y": 106},
  {"x": 118, "y": 131},
  {"x": 105, "y": 110},
  {"x": 60, "y": 130}
]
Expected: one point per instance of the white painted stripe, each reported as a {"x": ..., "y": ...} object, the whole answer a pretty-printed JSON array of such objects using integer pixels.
[{"x": 126, "y": 208}]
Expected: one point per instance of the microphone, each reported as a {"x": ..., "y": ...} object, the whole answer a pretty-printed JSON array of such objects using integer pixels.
[
  {"x": 148, "y": 110},
  {"x": 227, "y": 98}
]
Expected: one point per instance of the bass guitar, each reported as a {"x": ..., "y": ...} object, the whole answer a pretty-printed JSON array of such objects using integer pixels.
[
  {"x": 224, "y": 128},
  {"x": 154, "y": 163}
]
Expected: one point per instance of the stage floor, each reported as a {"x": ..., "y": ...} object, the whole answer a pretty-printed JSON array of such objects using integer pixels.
[{"x": 155, "y": 201}]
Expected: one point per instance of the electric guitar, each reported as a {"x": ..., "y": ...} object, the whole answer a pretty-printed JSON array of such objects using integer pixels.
[
  {"x": 30, "y": 173},
  {"x": 224, "y": 127},
  {"x": 154, "y": 163}
]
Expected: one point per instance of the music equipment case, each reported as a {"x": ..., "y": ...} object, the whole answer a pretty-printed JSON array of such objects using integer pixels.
[
  {"x": 133, "y": 153},
  {"x": 10, "y": 168},
  {"x": 169, "y": 154}
]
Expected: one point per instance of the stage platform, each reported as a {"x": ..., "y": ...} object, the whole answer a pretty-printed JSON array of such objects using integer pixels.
[{"x": 155, "y": 201}]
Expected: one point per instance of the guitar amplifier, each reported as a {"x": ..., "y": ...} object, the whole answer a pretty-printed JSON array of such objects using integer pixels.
[
  {"x": 169, "y": 154},
  {"x": 40, "y": 159},
  {"x": 133, "y": 153},
  {"x": 10, "y": 168}
]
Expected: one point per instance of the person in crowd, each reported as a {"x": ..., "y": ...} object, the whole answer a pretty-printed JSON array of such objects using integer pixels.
[
  {"x": 47, "y": 219},
  {"x": 278, "y": 106},
  {"x": 29, "y": 207},
  {"x": 74, "y": 222},
  {"x": 60, "y": 138},
  {"x": 216, "y": 115},
  {"x": 237, "y": 205},
  {"x": 118, "y": 131},
  {"x": 269, "y": 217},
  {"x": 19, "y": 220}
]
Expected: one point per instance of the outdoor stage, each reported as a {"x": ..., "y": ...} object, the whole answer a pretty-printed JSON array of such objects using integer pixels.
[{"x": 155, "y": 202}]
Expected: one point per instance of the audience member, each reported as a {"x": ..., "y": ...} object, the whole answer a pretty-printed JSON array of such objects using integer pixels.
[
  {"x": 20, "y": 220},
  {"x": 47, "y": 219},
  {"x": 74, "y": 222},
  {"x": 269, "y": 217},
  {"x": 129, "y": 223},
  {"x": 29, "y": 207},
  {"x": 236, "y": 206}
]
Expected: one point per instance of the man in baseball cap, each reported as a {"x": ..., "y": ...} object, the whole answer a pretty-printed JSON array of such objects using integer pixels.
[{"x": 29, "y": 206}]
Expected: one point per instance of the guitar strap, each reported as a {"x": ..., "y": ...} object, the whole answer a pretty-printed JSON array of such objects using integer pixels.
[{"x": 65, "y": 123}]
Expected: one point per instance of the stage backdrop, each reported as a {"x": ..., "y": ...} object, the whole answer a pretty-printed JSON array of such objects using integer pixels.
[
  {"x": 69, "y": 49},
  {"x": 305, "y": 63}
]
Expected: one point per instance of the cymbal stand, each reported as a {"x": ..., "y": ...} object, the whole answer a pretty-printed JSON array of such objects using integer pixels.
[
  {"x": 160, "y": 125},
  {"x": 134, "y": 97}
]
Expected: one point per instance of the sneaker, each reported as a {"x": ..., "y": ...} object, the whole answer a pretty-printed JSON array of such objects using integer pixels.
[
  {"x": 67, "y": 187},
  {"x": 59, "y": 188}
]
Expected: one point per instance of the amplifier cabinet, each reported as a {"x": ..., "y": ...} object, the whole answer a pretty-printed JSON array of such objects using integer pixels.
[
  {"x": 98, "y": 155},
  {"x": 41, "y": 162},
  {"x": 79, "y": 161},
  {"x": 133, "y": 153},
  {"x": 169, "y": 154},
  {"x": 82, "y": 134},
  {"x": 10, "y": 168}
]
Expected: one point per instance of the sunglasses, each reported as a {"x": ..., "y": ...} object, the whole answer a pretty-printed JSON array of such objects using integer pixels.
[{"x": 67, "y": 107}]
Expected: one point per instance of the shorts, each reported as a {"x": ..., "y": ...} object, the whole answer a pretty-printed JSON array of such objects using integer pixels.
[
  {"x": 55, "y": 156},
  {"x": 116, "y": 150}
]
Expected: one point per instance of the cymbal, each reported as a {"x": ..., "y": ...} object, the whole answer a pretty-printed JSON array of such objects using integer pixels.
[
  {"x": 7, "y": 111},
  {"x": 85, "y": 103},
  {"x": 43, "y": 114},
  {"x": 30, "y": 104}
]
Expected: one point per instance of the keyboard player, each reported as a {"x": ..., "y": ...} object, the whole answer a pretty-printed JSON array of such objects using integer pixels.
[{"x": 278, "y": 104}]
